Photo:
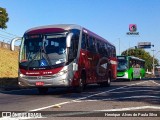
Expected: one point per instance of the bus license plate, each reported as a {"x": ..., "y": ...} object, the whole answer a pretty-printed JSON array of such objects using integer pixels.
[{"x": 39, "y": 83}]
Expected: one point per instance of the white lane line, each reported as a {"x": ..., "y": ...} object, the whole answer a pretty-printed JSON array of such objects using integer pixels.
[
  {"x": 138, "y": 87},
  {"x": 59, "y": 104},
  {"x": 110, "y": 90},
  {"x": 133, "y": 91},
  {"x": 132, "y": 108},
  {"x": 121, "y": 98},
  {"x": 77, "y": 100},
  {"x": 156, "y": 83}
]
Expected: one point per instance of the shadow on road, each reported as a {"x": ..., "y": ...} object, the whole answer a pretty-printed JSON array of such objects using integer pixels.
[
  {"x": 119, "y": 91},
  {"x": 8, "y": 83}
]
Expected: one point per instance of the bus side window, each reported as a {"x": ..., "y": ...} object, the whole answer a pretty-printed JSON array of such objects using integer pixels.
[
  {"x": 109, "y": 50},
  {"x": 130, "y": 63},
  {"x": 142, "y": 64},
  {"x": 94, "y": 45},
  {"x": 91, "y": 44},
  {"x": 87, "y": 41},
  {"x": 113, "y": 51},
  {"x": 134, "y": 64},
  {"x": 83, "y": 43},
  {"x": 99, "y": 47},
  {"x": 106, "y": 50}
]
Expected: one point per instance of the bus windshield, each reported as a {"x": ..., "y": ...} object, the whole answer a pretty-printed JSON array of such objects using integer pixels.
[
  {"x": 43, "y": 50},
  {"x": 122, "y": 65}
]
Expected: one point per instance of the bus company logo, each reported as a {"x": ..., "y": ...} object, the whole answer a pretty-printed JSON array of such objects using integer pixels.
[
  {"x": 6, "y": 114},
  {"x": 132, "y": 29}
]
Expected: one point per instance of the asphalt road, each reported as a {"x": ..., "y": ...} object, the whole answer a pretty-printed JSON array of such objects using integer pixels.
[{"x": 138, "y": 99}]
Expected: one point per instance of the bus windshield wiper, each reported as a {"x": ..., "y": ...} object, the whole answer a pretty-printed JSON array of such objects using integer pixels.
[
  {"x": 33, "y": 59},
  {"x": 44, "y": 51},
  {"x": 48, "y": 60}
]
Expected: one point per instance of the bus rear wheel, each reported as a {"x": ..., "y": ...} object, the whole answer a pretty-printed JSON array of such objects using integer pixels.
[
  {"x": 106, "y": 83},
  {"x": 42, "y": 90}
]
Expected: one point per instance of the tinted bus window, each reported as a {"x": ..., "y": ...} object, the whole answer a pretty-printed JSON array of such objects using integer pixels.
[
  {"x": 83, "y": 43},
  {"x": 91, "y": 44}
]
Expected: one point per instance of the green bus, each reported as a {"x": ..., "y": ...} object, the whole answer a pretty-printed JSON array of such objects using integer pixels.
[{"x": 130, "y": 67}]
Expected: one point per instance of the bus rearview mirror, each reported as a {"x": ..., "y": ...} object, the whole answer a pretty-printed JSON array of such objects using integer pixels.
[{"x": 13, "y": 42}]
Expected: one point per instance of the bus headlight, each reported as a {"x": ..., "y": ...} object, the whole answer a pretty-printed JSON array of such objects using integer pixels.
[
  {"x": 126, "y": 74},
  {"x": 21, "y": 75},
  {"x": 60, "y": 73}
]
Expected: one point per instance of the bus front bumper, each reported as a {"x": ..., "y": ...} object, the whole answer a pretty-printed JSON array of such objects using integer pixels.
[
  {"x": 125, "y": 76},
  {"x": 42, "y": 81}
]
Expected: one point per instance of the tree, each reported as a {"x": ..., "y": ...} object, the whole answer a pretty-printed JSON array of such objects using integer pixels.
[
  {"x": 140, "y": 53},
  {"x": 3, "y": 18}
]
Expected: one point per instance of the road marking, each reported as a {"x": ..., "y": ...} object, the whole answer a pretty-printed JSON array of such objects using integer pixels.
[
  {"x": 82, "y": 98},
  {"x": 59, "y": 104},
  {"x": 134, "y": 91},
  {"x": 120, "y": 98},
  {"x": 155, "y": 83}
]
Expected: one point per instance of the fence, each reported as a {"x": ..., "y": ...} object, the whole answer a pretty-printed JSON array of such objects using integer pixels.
[{"x": 7, "y": 46}]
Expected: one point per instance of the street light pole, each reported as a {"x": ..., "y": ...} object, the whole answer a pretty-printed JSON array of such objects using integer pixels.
[
  {"x": 119, "y": 47},
  {"x": 153, "y": 62}
]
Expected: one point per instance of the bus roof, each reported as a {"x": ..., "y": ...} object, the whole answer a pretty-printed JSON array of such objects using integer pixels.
[
  {"x": 64, "y": 27},
  {"x": 57, "y": 26},
  {"x": 132, "y": 57}
]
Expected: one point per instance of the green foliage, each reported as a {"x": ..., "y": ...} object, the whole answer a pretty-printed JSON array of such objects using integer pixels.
[
  {"x": 140, "y": 53},
  {"x": 3, "y": 18}
]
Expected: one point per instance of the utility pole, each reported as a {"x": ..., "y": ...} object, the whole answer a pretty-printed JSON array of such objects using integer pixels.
[
  {"x": 153, "y": 62},
  {"x": 119, "y": 47}
]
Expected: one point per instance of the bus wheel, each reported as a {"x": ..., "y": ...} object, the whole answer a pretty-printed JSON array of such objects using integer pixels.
[
  {"x": 43, "y": 90},
  {"x": 108, "y": 83},
  {"x": 140, "y": 77}
]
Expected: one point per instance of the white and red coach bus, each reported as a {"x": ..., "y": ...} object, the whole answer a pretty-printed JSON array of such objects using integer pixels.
[{"x": 64, "y": 55}]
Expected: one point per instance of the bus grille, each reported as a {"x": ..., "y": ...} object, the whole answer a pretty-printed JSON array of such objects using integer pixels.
[{"x": 38, "y": 77}]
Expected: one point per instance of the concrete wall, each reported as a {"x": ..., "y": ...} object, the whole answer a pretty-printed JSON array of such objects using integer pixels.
[{"x": 7, "y": 46}]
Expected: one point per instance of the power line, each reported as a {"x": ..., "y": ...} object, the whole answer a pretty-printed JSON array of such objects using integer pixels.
[
  {"x": 6, "y": 36},
  {"x": 9, "y": 33}
]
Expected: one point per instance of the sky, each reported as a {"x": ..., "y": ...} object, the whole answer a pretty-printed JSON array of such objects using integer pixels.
[{"x": 109, "y": 19}]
